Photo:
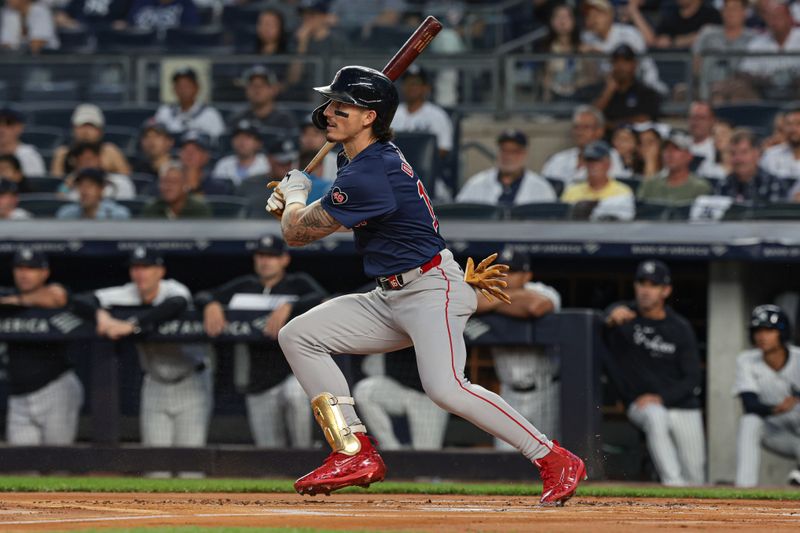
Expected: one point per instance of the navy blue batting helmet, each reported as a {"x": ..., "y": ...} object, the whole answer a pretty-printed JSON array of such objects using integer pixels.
[
  {"x": 361, "y": 86},
  {"x": 771, "y": 317}
]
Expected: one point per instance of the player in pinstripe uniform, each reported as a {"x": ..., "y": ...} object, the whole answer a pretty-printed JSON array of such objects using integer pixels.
[
  {"x": 45, "y": 394},
  {"x": 768, "y": 385},
  {"x": 655, "y": 366},
  {"x": 176, "y": 391}
]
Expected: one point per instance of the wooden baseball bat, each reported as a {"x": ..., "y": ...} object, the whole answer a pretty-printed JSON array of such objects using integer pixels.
[{"x": 413, "y": 47}]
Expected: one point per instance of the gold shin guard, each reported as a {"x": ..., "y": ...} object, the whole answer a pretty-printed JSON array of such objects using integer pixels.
[{"x": 330, "y": 418}]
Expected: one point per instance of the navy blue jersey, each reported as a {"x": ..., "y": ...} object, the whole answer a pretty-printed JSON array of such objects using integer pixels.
[{"x": 381, "y": 198}]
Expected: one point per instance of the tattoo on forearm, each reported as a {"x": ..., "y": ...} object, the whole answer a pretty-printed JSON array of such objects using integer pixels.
[{"x": 308, "y": 224}]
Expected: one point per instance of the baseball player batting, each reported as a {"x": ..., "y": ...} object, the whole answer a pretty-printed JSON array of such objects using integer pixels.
[{"x": 422, "y": 298}]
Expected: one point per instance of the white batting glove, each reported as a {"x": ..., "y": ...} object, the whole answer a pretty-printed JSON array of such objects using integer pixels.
[
  {"x": 276, "y": 202},
  {"x": 295, "y": 187}
]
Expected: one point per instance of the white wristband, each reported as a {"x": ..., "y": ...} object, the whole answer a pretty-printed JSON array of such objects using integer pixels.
[{"x": 296, "y": 197}]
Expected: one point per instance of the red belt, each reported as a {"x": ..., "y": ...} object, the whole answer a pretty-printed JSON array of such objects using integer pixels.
[{"x": 398, "y": 281}]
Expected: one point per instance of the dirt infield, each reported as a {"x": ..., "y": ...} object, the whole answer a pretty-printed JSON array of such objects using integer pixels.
[{"x": 69, "y": 511}]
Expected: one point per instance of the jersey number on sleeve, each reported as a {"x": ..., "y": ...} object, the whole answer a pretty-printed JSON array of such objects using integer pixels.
[{"x": 424, "y": 195}]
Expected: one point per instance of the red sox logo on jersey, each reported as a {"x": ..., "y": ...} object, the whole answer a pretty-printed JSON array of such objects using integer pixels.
[
  {"x": 405, "y": 167},
  {"x": 337, "y": 196}
]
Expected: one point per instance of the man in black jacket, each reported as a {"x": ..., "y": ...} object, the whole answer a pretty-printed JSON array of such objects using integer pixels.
[
  {"x": 276, "y": 404},
  {"x": 655, "y": 366}
]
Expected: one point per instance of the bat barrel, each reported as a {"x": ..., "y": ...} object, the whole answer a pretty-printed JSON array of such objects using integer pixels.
[{"x": 413, "y": 47}]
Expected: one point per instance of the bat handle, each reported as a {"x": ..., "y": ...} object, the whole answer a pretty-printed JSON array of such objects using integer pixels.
[{"x": 319, "y": 157}]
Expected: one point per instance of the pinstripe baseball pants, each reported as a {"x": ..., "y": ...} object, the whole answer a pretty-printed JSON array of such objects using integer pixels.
[
  {"x": 48, "y": 415},
  {"x": 778, "y": 433}
]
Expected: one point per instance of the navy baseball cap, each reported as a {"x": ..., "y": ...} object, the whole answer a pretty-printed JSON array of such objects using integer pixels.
[
  {"x": 8, "y": 187},
  {"x": 200, "y": 139},
  {"x": 513, "y": 135},
  {"x": 151, "y": 124},
  {"x": 284, "y": 151},
  {"x": 415, "y": 71},
  {"x": 146, "y": 257},
  {"x": 270, "y": 245},
  {"x": 96, "y": 175},
  {"x": 623, "y": 51},
  {"x": 28, "y": 257},
  {"x": 654, "y": 271},
  {"x": 246, "y": 126},
  {"x": 517, "y": 261},
  {"x": 260, "y": 71},
  {"x": 321, "y": 6},
  {"x": 596, "y": 150},
  {"x": 185, "y": 72},
  {"x": 11, "y": 115}
]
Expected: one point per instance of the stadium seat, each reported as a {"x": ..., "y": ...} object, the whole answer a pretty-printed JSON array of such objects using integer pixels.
[
  {"x": 128, "y": 116},
  {"x": 469, "y": 211},
  {"x": 557, "y": 184},
  {"x": 541, "y": 211},
  {"x": 128, "y": 40},
  {"x": 680, "y": 212},
  {"x": 228, "y": 206},
  {"x": 421, "y": 152},
  {"x": 386, "y": 38},
  {"x": 134, "y": 205},
  {"x": 188, "y": 40},
  {"x": 633, "y": 183},
  {"x": 255, "y": 193},
  {"x": 736, "y": 212},
  {"x": 782, "y": 211},
  {"x": 146, "y": 185},
  {"x": 75, "y": 41},
  {"x": 757, "y": 116},
  {"x": 43, "y": 184},
  {"x": 124, "y": 138},
  {"x": 51, "y": 91},
  {"x": 44, "y": 138},
  {"x": 42, "y": 205},
  {"x": 107, "y": 93},
  {"x": 48, "y": 114},
  {"x": 652, "y": 211}
]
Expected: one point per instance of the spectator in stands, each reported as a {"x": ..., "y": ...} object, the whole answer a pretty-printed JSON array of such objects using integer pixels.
[
  {"x": 529, "y": 378},
  {"x": 588, "y": 125},
  {"x": 748, "y": 182},
  {"x": 367, "y": 14},
  {"x": 614, "y": 199},
  {"x": 701, "y": 127},
  {"x": 778, "y": 134},
  {"x": 766, "y": 73},
  {"x": 28, "y": 25},
  {"x": 625, "y": 141},
  {"x": 90, "y": 182},
  {"x": 679, "y": 24},
  {"x": 88, "y": 122},
  {"x": 604, "y": 35},
  {"x": 676, "y": 184},
  {"x": 731, "y": 36},
  {"x": 651, "y": 139},
  {"x": 45, "y": 395},
  {"x": 156, "y": 144},
  {"x": 416, "y": 113},
  {"x": 195, "y": 156},
  {"x": 720, "y": 166},
  {"x": 565, "y": 77},
  {"x": 85, "y": 155},
  {"x": 12, "y": 124},
  {"x": 277, "y": 406},
  {"x": 161, "y": 15},
  {"x": 315, "y": 37},
  {"x": 92, "y": 14},
  {"x": 261, "y": 89},
  {"x": 767, "y": 383},
  {"x": 654, "y": 364},
  {"x": 271, "y": 38},
  {"x": 624, "y": 98},
  {"x": 311, "y": 140},
  {"x": 175, "y": 198},
  {"x": 783, "y": 160},
  {"x": 509, "y": 183},
  {"x": 9, "y": 200},
  {"x": 246, "y": 159},
  {"x": 10, "y": 169},
  {"x": 176, "y": 391},
  {"x": 189, "y": 113}
]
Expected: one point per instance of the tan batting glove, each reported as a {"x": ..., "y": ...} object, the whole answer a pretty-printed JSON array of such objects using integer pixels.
[
  {"x": 488, "y": 279},
  {"x": 276, "y": 203}
]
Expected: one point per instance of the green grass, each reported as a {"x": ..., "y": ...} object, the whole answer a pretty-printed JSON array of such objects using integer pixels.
[{"x": 134, "y": 484}]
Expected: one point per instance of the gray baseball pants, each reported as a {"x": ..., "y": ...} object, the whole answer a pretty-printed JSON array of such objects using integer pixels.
[
  {"x": 430, "y": 313},
  {"x": 778, "y": 433}
]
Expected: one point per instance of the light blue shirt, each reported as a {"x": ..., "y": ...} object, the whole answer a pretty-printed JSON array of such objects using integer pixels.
[{"x": 107, "y": 210}]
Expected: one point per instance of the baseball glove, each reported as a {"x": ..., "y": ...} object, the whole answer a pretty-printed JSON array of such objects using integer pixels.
[
  {"x": 275, "y": 205},
  {"x": 487, "y": 279}
]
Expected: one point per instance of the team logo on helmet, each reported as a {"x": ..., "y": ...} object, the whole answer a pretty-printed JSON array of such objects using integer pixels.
[{"x": 337, "y": 196}]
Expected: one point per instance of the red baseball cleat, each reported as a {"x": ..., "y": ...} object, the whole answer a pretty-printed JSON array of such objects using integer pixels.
[
  {"x": 561, "y": 471},
  {"x": 340, "y": 470}
]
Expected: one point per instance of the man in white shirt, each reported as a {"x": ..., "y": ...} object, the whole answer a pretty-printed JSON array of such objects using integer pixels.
[
  {"x": 247, "y": 159},
  {"x": 416, "y": 113},
  {"x": 9, "y": 198},
  {"x": 509, "y": 183},
  {"x": 588, "y": 125},
  {"x": 701, "y": 126},
  {"x": 781, "y": 36},
  {"x": 28, "y": 24},
  {"x": 189, "y": 113},
  {"x": 604, "y": 35},
  {"x": 12, "y": 124},
  {"x": 783, "y": 160}
]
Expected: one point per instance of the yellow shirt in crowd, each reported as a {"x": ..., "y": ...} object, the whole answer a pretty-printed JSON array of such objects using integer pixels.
[{"x": 580, "y": 192}]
